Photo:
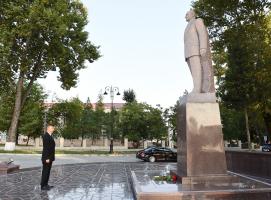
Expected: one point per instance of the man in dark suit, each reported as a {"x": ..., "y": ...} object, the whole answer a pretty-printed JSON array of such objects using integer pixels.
[{"x": 48, "y": 156}]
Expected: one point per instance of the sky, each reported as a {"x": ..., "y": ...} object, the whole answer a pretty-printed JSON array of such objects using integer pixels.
[{"x": 141, "y": 43}]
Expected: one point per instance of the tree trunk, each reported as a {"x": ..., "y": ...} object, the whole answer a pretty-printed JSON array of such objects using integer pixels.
[
  {"x": 17, "y": 111},
  {"x": 82, "y": 140},
  {"x": 17, "y": 138},
  {"x": 27, "y": 140},
  {"x": 247, "y": 130},
  {"x": 267, "y": 122}
]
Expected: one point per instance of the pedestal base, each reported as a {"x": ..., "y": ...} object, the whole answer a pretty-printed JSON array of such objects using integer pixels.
[
  {"x": 8, "y": 168},
  {"x": 228, "y": 187}
]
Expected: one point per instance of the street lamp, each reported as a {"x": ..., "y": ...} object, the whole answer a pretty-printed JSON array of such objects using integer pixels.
[{"x": 111, "y": 90}]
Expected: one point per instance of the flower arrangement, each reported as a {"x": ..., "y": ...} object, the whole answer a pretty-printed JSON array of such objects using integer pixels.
[{"x": 168, "y": 178}]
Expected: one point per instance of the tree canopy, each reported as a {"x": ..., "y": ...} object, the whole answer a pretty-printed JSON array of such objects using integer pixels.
[{"x": 39, "y": 36}]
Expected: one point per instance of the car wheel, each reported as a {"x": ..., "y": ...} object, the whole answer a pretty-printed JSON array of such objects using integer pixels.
[{"x": 152, "y": 159}]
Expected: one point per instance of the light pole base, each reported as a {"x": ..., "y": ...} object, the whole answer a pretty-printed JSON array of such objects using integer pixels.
[
  {"x": 111, "y": 146},
  {"x": 10, "y": 146}
]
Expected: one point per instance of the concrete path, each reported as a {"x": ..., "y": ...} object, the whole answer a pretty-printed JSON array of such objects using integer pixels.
[{"x": 34, "y": 160}]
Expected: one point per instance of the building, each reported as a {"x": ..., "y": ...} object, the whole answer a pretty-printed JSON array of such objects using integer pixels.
[{"x": 107, "y": 106}]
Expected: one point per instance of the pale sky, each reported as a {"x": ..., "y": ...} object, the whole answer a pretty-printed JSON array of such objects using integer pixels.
[{"x": 142, "y": 49}]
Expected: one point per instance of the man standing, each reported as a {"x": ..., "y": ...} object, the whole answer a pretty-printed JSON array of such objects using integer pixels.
[
  {"x": 198, "y": 54},
  {"x": 48, "y": 156}
]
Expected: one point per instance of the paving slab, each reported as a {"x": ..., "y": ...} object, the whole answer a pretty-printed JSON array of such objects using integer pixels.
[{"x": 84, "y": 181}]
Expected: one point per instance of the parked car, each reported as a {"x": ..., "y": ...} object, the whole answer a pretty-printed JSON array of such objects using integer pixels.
[
  {"x": 153, "y": 154},
  {"x": 266, "y": 148}
]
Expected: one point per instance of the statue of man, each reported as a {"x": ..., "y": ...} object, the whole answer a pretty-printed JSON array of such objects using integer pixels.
[{"x": 198, "y": 54}]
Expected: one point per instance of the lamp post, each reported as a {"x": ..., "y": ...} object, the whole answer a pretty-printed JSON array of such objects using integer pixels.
[{"x": 111, "y": 90}]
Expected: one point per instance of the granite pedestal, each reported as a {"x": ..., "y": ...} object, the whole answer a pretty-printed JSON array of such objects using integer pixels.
[{"x": 6, "y": 168}]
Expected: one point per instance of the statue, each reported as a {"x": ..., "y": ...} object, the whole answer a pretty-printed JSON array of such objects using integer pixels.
[{"x": 198, "y": 54}]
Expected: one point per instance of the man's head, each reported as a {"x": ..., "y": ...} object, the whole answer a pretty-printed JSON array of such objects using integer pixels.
[
  {"x": 50, "y": 128},
  {"x": 190, "y": 15}
]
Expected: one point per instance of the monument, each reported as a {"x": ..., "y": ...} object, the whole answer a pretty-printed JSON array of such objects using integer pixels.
[
  {"x": 200, "y": 139},
  {"x": 201, "y": 166}
]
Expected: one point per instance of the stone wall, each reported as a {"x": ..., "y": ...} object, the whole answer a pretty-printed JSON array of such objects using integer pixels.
[{"x": 250, "y": 163}]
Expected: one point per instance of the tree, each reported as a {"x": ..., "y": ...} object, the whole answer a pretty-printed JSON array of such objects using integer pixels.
[
  {"x": 240, "y": 41},
  {"x": 39, "y": 36},
  {"x": 141, "y": 121},
  {"x": 31, "y": 119},
  {"x": 233, "y": 123},
  {"x": 67, "y": 116},
  {"x": 101, "y": 118},
  {"x": 129, "y": 96},
  {"x": 88, "y": 123},
  {"x": 172, "y": 119}
]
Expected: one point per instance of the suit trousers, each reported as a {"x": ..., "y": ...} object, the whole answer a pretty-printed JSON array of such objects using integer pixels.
[
  {"x": 195, "y": 67},
  {"x": 46, "y": 169}
]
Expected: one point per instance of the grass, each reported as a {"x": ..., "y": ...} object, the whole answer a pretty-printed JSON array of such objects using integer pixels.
[
  {"x": 70, "y": 152},
  {"x": 21, "y": 145}
]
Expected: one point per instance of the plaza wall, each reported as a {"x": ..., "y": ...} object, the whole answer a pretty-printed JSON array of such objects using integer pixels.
[{"x": 250, "y": 163}]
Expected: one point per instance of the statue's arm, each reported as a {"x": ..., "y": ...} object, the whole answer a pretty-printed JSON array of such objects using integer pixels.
[{"x": 202, "y": 33}]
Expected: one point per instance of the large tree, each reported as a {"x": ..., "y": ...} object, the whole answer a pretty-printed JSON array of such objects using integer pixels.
[{"x": 37, "y": 36}]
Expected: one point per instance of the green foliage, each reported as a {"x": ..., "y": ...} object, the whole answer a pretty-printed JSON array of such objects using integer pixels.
[
  {"x": 240, "y": 33},
  {"x": 129, "y": 96},
  {"x": 67, "y": 116},
  {"x": 171, "y": 115},
  {"x": 6, "y": 105},
  {"x": 39, "y": 36},
  {"x": 233, "y": 123},
  {"x": 75, "y": 119},
  {"x": 31, "y": 119},
  {"x": 141, "y": 121}
]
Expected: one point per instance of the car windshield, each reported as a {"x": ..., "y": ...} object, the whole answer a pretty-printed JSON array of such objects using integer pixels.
[{"x": 149, "y": 149}]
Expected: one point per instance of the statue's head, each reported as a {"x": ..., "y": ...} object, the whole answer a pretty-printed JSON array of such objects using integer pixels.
[{"x": 190, "y": 15}]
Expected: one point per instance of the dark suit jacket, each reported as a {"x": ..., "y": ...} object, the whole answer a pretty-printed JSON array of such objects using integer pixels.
[{"x": 48, "y": 151}]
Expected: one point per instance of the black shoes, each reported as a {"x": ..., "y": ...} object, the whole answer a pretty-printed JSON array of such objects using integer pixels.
[{"x": 46, "y": 187}]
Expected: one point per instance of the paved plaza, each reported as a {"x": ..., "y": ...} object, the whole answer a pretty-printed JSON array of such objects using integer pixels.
[{"x": 84, "y": 181}]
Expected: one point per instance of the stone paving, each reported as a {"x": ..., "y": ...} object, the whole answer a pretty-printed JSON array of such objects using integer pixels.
[{"x": 85, "y": 181}]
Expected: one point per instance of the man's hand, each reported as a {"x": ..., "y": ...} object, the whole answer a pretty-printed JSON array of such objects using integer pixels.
[
  {"x": 47, "y": 161},
  {"x": 203, "y": 52}
]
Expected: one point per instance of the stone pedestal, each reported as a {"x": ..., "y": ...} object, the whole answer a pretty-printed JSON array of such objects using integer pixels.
[
  {"x": 6, "y": 168},
  {"x": 145, "y": 144},
  {"x": 163, "y": 143},
  {"x": 126, "y": 143},
  {"x": 106, "y": 142},
  {"x": 240, "y": 144},
  {"x": 200, "y": 140},
  {"x": 61, "y": 142},
  {"x": 37, "y": 142},
  {"x": 84, "y": 143}
]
